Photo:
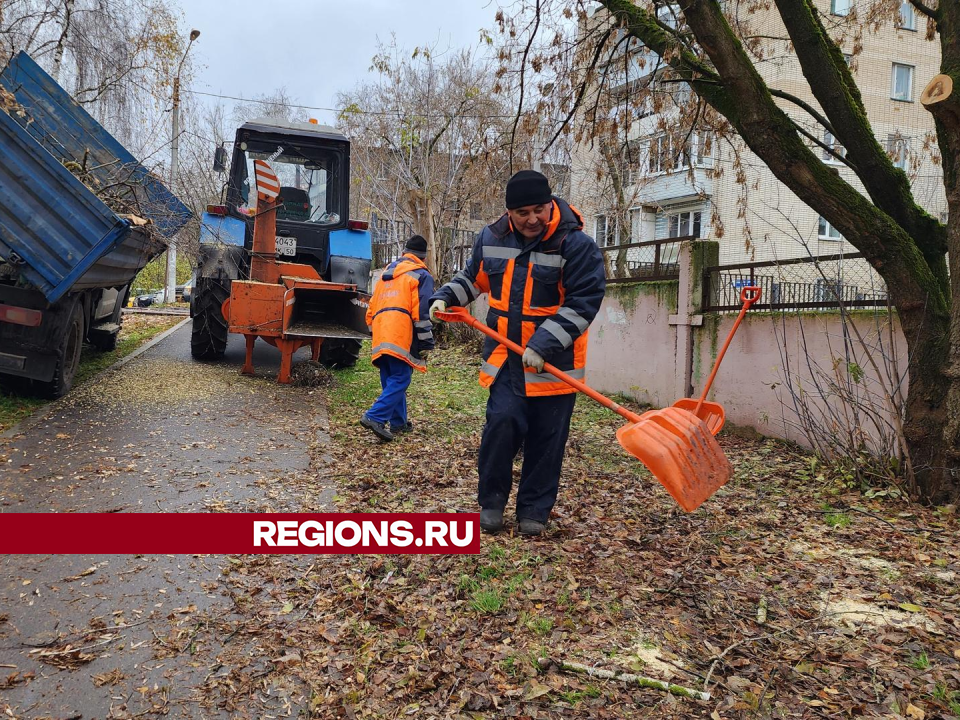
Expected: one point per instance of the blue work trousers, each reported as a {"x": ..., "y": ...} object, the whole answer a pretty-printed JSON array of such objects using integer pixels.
[
  {"x": 539, "y": 424},
  {"x": 391, "y": 406}
]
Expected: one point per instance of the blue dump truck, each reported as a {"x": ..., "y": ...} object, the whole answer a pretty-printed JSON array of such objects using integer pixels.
[{"x": 79, "y": 218}]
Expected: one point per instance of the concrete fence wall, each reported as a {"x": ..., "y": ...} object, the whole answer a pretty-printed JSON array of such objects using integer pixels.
[
  {"x": 651, "y": 342},
  {"x": 644, "y": 345}
]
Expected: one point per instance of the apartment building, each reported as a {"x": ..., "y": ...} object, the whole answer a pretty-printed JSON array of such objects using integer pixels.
[{"x": 681, "y": 182}]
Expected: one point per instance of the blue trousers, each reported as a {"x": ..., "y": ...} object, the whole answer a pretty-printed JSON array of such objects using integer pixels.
[
  {"x": 391, "y": 406},
  {"x": 541, "y": 425}
]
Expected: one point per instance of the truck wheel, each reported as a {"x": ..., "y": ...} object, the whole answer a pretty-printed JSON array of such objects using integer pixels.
[
  {"x": 340, "y": 353},
  {"x": 208, "y": 340},
  {"x": 68, "y": 358}
]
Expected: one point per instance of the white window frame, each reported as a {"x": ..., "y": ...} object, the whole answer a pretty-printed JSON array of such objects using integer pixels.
[
  {"x": 601, "y": 239},
  {"x": 893, "y": 82},
  {"x": 691, "y": 221},
  {"x": 908, "y": 20},
  {"x": 657, "y": 148},
  {"x": 898, "y": 148},
  {"x": 830, "y": 141},
  {"x": 826, "y": 231},
  {"x": 840, "y": 7}
]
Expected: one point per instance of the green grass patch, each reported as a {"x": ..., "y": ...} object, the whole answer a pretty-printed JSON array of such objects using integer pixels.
[
  {"x": 920, "y": 662},
  {"x": 835, "y": 518}
]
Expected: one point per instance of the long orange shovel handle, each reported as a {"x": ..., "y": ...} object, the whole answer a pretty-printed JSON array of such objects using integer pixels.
[
  {"x": 458, "y": 314},
  {"x": 748, "y": 296}
]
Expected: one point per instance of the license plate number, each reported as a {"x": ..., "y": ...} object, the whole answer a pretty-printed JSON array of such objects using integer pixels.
[{"x": 286, "y": 245}]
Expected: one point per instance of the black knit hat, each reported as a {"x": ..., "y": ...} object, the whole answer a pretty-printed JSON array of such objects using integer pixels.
[
  {"x": 528, "y": 187},
  {"x": 416, "y": 245}
]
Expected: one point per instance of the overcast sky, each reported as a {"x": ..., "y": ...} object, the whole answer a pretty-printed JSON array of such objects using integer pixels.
[{"x": 317, "y": 48}]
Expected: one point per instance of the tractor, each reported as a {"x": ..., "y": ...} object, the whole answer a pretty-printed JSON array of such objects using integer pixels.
[{"x": 312, "y": 164}]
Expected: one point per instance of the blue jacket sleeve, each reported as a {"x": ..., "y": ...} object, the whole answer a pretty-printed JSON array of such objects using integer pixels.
[
  {"x": 468, "y": 284},
  {"x": 423, "y": 328},
  {"x": 584, "y": 283}
]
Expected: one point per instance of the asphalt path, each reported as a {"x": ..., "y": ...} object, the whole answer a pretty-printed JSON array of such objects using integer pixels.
[{"x": 162, "y": 433}]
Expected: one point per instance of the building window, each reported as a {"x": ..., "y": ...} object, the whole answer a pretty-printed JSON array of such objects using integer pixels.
[
  {"x": 901, "y": 82},
  {"x": 826, "y": 231},
  {"x": 606, "y": 231},
  {"x": 908, "y": 16},
  {"x": 831, "y": 142},
  {"x": 664, "y": 156},
  {"x": 683, "y": 224},
  {"x": 840, "y": 7},
  {"x": 898, "y": 148}
]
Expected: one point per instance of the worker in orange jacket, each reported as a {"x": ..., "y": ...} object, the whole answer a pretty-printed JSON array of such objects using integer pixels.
[
  {"x": 544, "y": 279},
  {"x": 402, "y": 336}
]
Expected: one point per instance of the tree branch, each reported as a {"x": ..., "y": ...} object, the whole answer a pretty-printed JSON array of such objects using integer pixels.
[
  {"x": 928, "y": 11},
  {"x": 831, "y": 82},
  {"x": 806, "y": 106}
]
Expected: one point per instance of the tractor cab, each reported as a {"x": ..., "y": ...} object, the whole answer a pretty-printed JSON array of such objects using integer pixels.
[{"x": 311, "y": 165}]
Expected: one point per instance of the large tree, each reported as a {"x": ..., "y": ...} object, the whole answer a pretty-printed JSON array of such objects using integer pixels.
[
  {"x": 430, "y": 139},
  {"x": 710, "y": 49}
]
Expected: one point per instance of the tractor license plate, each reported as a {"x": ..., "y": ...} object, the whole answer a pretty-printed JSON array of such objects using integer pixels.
[{"x": 286, "y": 245}]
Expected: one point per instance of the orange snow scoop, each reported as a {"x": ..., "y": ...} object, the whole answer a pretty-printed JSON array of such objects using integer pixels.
[
  {"x": 710, "y": 412},
  {"x": 674, "y": 444}
]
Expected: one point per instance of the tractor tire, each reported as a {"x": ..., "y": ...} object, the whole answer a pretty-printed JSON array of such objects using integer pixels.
[
  {"x": 338, "y": 353},
  {"x": 208, "y": 340},
  {"x": 68, "y": 358}
]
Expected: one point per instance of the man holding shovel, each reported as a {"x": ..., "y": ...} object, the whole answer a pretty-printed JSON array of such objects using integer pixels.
[{"x": 545, "y": 281}]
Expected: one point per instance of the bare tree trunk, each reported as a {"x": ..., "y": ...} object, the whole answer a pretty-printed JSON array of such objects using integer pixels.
[
  {"x": 941, "y": 99},
  {"x": 58, "y": 53},
  {"x": 620, "y": 268}
]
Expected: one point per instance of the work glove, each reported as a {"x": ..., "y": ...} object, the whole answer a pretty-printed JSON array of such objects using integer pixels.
[
  {"x": 437, "y": 306},
  {"x": 424, "y": 354},
  {"x": 532, "y": 359}
]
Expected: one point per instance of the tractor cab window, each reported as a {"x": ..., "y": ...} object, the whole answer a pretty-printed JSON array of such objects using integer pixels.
[{"x": 309, "y": 182}]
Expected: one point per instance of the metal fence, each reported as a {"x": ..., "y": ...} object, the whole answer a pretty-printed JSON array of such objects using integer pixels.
[
  {"x": 811, "y": 283},
  {"x": 654, "y": 260},
  {"x": 388, "y": 237}
]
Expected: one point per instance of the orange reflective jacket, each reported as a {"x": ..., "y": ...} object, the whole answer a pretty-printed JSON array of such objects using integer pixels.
[
  {"x": 398, "y": 312},
  {"x": 543, "y": 294}
]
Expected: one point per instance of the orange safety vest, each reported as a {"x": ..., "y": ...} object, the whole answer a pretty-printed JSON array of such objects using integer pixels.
[
  {"x": 551, "y": 290},
  {"x": 394, "y": 312}
]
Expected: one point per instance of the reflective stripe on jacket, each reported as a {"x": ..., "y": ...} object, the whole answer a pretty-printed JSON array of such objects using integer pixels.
[
  {"x": 543, "y": 294},
  {"x": 399, "y": 312}
]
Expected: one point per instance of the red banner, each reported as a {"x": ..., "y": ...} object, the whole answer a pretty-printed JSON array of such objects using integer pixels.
[{"x": 237, "y": 533}]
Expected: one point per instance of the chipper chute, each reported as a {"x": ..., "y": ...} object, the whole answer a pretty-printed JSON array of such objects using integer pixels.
[
  {"x": 287, "y": 304},
  {"x": 676, "y": 444}
]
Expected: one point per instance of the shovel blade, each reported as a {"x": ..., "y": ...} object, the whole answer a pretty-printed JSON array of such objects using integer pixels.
[
  {"x": 679, "y": 449},
  {"x": 710, "y": 412}
]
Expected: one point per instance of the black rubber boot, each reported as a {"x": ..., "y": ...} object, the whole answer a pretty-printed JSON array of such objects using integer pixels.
[{"x": 491, "y": 520}]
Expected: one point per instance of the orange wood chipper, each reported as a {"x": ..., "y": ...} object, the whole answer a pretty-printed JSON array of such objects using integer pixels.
[{"x": 287, "y": 304}]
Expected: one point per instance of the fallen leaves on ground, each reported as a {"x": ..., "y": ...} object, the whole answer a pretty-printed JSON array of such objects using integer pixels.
[{"x": 743, "y": 598}]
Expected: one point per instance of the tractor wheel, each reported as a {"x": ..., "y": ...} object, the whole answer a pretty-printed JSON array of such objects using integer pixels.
[
  {"x": 68, "y": 358},
  {"x": 208, "y": 340},
  {"x": 340, "y": 353}
]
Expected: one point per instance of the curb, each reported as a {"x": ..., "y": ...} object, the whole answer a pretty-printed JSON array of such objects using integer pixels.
[{"x": 49, "y": 408}]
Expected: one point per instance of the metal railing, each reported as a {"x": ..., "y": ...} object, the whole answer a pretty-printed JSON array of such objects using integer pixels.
[
  {"x": 810, "y": 283},
  {"x": 653, "y": 260}
]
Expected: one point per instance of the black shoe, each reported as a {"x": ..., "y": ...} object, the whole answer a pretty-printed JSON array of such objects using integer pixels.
[
  {"x": 531, "y": 527},
  {"x": 401, "y": 428},
  {"x": 379, "y": 429},
  {"x": 491, "y": 520}
]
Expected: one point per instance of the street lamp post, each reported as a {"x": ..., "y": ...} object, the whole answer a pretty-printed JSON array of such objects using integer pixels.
[{"x": 170, "y": 294}]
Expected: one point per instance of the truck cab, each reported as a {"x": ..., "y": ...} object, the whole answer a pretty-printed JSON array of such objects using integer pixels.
[{"x": 312, "y": 163}]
